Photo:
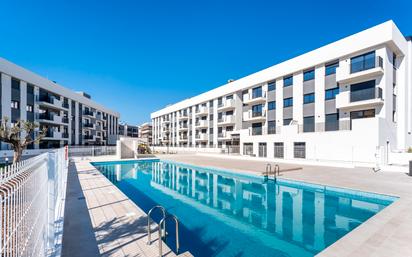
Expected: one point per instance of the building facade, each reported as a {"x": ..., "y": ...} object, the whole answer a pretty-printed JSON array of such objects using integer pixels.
[
  {"x": 347, "y": 101},
  {"x": 69, "y": 118},
  {"x": 127, "y": 130},
  {"x": 145, "y": 132}
]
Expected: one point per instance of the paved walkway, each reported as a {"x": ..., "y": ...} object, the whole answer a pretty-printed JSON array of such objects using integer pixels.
[
  {"x": 101, "y": 221},
  {"x": 389, "y": 233}
]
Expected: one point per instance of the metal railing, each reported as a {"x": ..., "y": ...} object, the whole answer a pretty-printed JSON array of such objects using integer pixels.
[
  {"x": 80, "y": 151},
  {"x": 32, "y": 196}
]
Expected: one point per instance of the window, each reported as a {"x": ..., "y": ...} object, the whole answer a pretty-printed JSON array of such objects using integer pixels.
[
  {"x": 309, "y": 98},
  {"x": 362, "y": 62},
  {"x": 229, "y": 97},
  {"x": 29, "y": 108},
  {"x": 308, "y": 75},
  {"x": 248, "y": 148},
  {"x": 271, "y": 105},
  {"x": 299, "y": 149},
  {"x": 362, "y": 114},
  {"x": 287, "y": 81},
  {"x": 309, "y": 124},
  {"x": 286, "y": 122},
  {"x": 15, "y": 104},
  {"x": 331, "y": 68},
  {"x": 363, "y": 91},
  {"x": 271, "y": 127},
  {"x": 279, "y": 150},
  {"x": 332, "y": 122},
  {"x": 262, "y": 150},
  {"x": 287, "y": 102},
  {"x": 331, "y": 93},
  {"x": 211, "y": 103},
  {"x": 256, "y": 129},
  {"x": 257, "y": 110},
  {"x": 15, "y": 84},
  {"x": 272, "y": 86},
  {"x": 256, "y": 92}
]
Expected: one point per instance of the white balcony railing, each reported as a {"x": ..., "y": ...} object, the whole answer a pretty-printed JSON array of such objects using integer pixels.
[
  {"x": 229, "y": 119},
  {"x": 202, "y": 110},
  {"x": 226, "y": 104},
  {"x": 201, "y": 137},
  {"x": 32, "y": 194},
  {"x": 201, "y": 123}
]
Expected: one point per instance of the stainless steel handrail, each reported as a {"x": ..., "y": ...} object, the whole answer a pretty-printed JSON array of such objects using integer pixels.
[
  {"x": 149, "y": 231},
  {"x": 163, "y": 222},
  {"x": 267, "y": 172}
]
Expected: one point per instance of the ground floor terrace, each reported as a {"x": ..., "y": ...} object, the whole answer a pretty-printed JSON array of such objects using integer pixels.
[{"x": 102, "y": 221}]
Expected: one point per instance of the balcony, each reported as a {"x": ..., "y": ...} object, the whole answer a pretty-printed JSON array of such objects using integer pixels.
[
  {"x": 88, "y": 137},
  {"x": 366, "y": 98},
  {"x": 201, "y": 137},
  {"x": 183, "y": 116},
  {"x": 201, "y": 111},
  {"x": 65, "y": 120},
  {"x": 50, "y": 118},
  {"x": 255, "y": 116},
  {"x": 51, "y": 102},
  {"x": 183, "y": 127},
  {"x": 360, "y": 71},
  {"x": 51, "y": 134},
  {"x": 183, "y": 138},
  {"x": 226, "y": 120},
  {"x": 201, "y": 124},
  {"x": 89, "y": 113},
  {"x": 227, "y": 104},
  {"x": 88, "y": 125},
  {"x": 224, "y": 135},
  {"x": 254, "y": 98},
  {"x": 258, "y": 131},
  {"x": 166, "y": 121}
]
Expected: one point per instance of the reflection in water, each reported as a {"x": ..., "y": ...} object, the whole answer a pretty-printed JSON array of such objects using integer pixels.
[{"x": 290, "y": 219}]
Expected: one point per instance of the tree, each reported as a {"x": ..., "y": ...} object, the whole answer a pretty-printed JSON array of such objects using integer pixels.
[{"x": 12, "y": 135}]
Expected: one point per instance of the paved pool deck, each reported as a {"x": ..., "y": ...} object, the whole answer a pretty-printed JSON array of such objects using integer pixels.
[{"x": 103, "y": 221}]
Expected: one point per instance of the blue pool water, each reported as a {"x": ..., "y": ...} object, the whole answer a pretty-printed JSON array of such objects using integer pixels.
[{"x": 228, "y": 214}]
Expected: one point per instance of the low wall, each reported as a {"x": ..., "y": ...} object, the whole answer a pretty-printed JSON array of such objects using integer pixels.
[{"x": 165, "y": 149}]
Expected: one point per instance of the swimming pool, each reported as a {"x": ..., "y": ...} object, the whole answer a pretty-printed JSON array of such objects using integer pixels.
[{"x": 222, "y": 213}]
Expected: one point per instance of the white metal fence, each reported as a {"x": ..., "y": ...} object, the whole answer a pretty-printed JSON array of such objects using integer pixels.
[
  {"x": 77, "y": 151},
  {"x": 32, "y": 200}
]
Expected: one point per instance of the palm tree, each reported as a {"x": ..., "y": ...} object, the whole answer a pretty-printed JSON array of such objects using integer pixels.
[{"x": 12, "y": 135}]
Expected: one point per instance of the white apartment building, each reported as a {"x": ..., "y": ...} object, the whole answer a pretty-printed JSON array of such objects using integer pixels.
[
  {"x": 71, "y": 118},
  {"x": 145, "y": 131},
  {"x": 347, "y": 101}
]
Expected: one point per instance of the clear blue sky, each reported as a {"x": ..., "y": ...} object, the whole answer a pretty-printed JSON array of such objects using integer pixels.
[{"x": 138, "y": 56}]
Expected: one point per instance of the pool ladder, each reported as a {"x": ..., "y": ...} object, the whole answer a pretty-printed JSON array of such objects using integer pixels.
[
  {"x": 276, "y": 172},
  {"x": 162, "y": 228}
]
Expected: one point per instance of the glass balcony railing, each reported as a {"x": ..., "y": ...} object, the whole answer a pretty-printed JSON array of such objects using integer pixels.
[
  {"x": 366, "y": 64},
  {"x": 46, "y": 116},
  {"x": 88, "y": 112},
  {"x": 257, "y": 131},
  {"x": 366, "y": 94},
  {"x": 257, "y": 114}
]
